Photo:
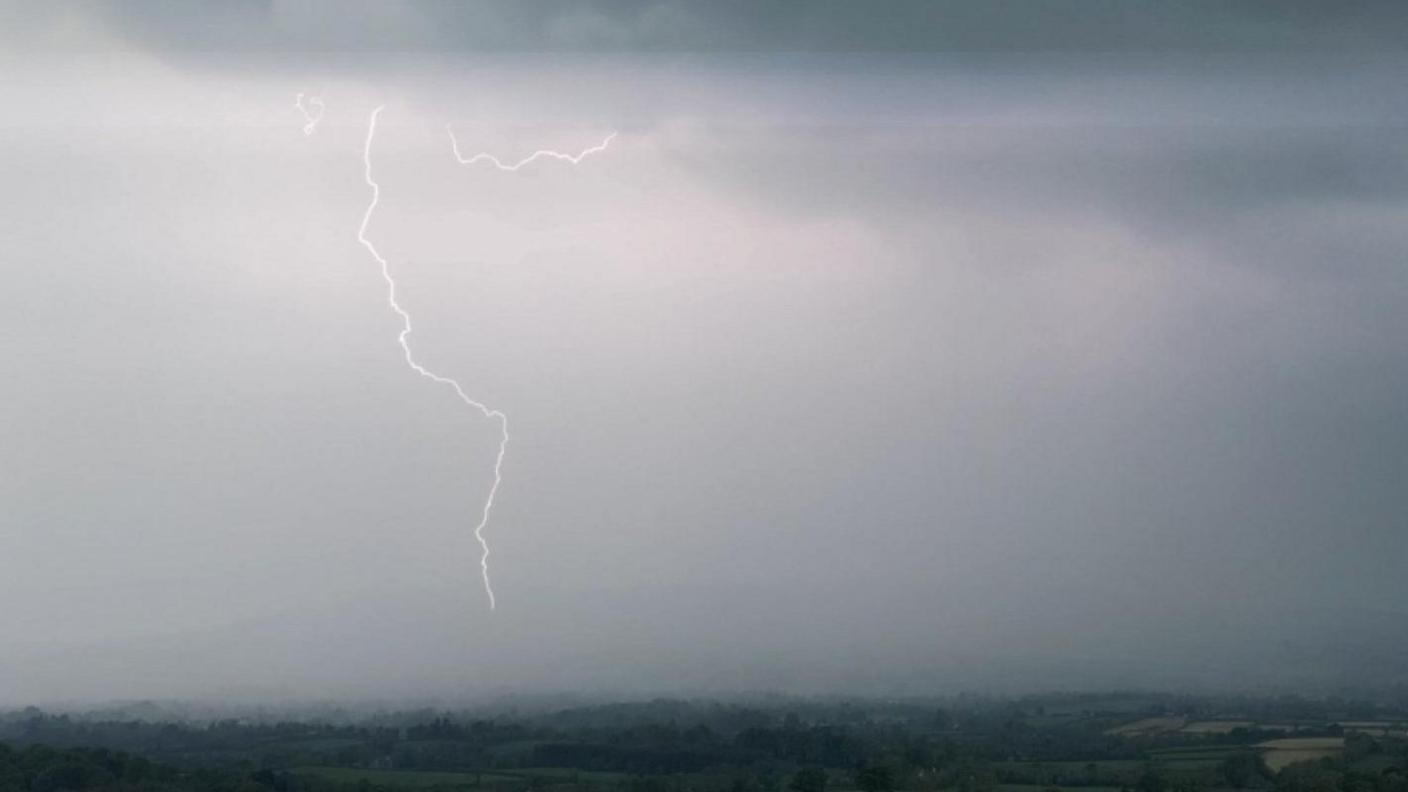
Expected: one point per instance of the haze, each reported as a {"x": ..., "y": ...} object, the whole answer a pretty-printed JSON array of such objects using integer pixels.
[{"x": 940, "y": 347}]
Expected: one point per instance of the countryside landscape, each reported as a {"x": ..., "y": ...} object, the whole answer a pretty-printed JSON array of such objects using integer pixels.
[{"x": 1096, "y": 743}]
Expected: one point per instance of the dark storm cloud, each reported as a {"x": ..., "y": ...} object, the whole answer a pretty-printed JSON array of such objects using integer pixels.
[
  {"x": 1332, "y": 194},
  {"x": 833, "y": 26}
]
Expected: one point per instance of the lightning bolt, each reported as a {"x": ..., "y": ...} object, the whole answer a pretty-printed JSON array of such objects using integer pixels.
[
  {"x": 483, "y": 409},
  {"x": 310, "y": 119},
  {"x": 573, "y": 159},
  {"x": 424, "y": 372}
]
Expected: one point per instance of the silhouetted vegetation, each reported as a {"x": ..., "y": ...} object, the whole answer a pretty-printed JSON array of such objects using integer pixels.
[{"x": 967, "y": 744}]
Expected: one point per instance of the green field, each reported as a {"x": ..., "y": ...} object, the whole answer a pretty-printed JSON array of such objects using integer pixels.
[
  {"x": 1046, "y": 787},
  {"x": 1289, "y": 750},
  {"x": 567, "y": 774},
  {"x": 1197, "y": 754},
  {"x": 1217, "y": 726},
  {"x": 410, "y": 779}
]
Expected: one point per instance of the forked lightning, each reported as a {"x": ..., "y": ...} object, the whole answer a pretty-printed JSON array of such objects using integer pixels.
[
  {"x": 406, "y": 317},
  {"x": 537, "y": 155}
]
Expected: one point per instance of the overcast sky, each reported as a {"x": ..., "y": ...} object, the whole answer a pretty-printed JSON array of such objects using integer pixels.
[{"x": 902, "y": 347}]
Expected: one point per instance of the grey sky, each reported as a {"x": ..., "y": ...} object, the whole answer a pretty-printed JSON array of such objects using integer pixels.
[
  {"x": 730, "y": 25},
  {"x": 959, "y": 346}
]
